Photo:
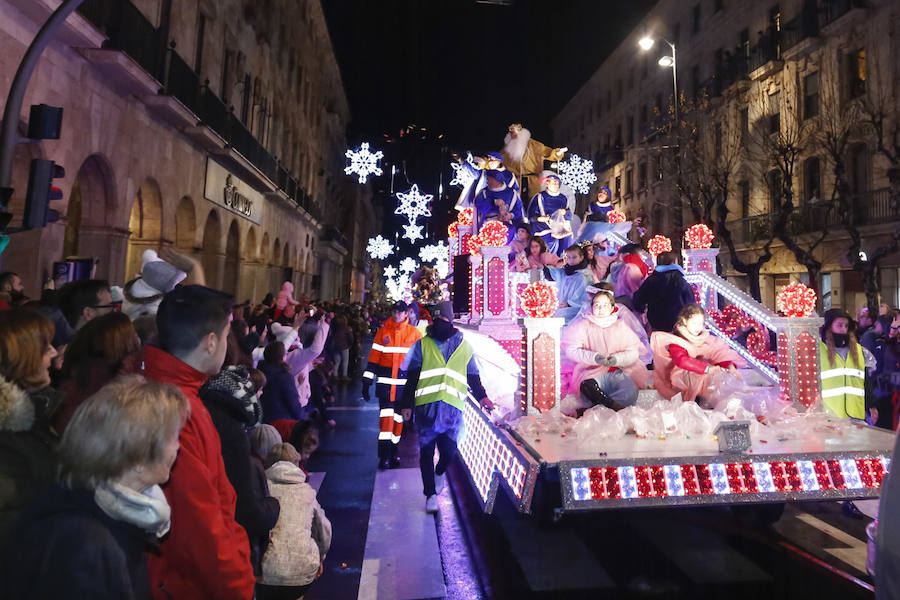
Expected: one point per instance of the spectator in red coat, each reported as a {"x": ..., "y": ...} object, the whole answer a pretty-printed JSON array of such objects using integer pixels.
[{"x": 207, "y": 554}]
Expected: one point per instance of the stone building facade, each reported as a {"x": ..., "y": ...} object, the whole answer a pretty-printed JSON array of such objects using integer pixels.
[
  {"x": 763, "y": 70},
  {"x": 214, "y": 128}
]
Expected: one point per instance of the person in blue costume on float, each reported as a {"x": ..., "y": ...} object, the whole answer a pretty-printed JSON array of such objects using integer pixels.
[
  {"x": 600, "y": 207},
  {"x": 478, "y": 172},
  {"x": 550, "y": 217},
  {"x": 498, "y": 201}
]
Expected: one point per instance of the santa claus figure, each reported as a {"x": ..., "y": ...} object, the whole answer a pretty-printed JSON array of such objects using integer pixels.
[{"x": 525, "y": 157}]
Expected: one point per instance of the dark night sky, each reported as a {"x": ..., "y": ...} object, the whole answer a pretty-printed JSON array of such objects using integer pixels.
[{"x": 466, "y": 70}]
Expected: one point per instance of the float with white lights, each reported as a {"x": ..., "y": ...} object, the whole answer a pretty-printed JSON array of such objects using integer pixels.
[{"x": 825, "y": 459}]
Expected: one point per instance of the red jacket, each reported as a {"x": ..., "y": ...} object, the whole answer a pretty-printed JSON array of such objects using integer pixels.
[{"x": 206, "y": 555}]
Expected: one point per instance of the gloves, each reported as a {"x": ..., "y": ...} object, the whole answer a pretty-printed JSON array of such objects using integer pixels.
[
  {"x": 599, "y": 359},
  {"x": 610, "y": 361}
]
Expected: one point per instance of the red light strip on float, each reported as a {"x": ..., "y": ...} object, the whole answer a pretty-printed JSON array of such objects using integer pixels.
[{"x": 724, "y": 479}]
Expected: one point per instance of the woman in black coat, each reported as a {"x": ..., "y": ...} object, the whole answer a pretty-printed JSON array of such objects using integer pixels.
[
  {"x": 230, "y": 398},
  {"x": 88, "y": 536}
]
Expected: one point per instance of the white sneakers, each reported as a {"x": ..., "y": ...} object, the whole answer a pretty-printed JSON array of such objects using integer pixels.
[
  {"x": 431, "y": 506},
  {"x": 439, "y": 483}
]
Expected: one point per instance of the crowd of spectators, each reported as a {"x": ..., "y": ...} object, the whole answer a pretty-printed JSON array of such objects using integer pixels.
[{"x": 159, "y": 451}]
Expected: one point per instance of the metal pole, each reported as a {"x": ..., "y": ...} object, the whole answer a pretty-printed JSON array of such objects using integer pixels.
[
  {"x": 17, "y": 91},
  {"x": 674, "y": 81}
]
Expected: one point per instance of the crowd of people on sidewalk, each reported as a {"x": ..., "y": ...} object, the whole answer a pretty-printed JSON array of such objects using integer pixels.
[{"x": 154, "y": 437}]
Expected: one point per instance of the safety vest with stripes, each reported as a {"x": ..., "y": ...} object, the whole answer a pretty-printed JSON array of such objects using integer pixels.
[
  {"x": 392, "y": 341},
  {"x": 843, "y": 383},
  {"x": 440, "y": 380}
]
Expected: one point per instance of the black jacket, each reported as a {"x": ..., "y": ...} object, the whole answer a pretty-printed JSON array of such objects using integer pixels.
[
  {"x": 255, "y": 511},
  {"x": 663, "y": 295},
  {"x": 67, "y": 547}
]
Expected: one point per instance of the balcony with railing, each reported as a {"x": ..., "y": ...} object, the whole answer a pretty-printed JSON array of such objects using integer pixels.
[
  {"x": 130, "y": 32},
  {"x": 869, "y": 208}
]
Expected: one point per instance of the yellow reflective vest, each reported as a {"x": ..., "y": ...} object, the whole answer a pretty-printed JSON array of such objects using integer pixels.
[
  {"x": 443, "y": 381},
  {"x": 843, "y": 383}
]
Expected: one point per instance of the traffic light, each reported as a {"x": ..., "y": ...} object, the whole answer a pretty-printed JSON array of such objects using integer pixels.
[{"x": 41, "y": 192}]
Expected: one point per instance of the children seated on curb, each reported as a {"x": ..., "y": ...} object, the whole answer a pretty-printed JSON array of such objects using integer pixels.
[
  {"x": 685, "y": 360},
  {"x": 606, "y": 351},
  {"x": 301, "y": 538}
]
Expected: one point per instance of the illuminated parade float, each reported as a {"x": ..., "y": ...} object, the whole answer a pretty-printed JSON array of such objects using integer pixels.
[{"x": 768, "y": 441}]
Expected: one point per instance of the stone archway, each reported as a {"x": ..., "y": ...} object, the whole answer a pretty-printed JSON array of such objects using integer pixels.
[
  {"x": 185, "y": 226},
  {"x": 211, "y": 250},
  {"x": 144, "y": 226},
  {"x": 232, "y": 259},
  {"x": 88, "y": 229}
]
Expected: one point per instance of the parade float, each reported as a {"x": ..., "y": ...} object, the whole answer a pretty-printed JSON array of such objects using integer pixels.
[{"x": 771, "y": 442}]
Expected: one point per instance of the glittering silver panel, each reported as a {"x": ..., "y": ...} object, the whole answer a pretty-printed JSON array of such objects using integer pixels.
[
  {"x": 490, "y": 456},
  {"x": 599, "y": 484}
]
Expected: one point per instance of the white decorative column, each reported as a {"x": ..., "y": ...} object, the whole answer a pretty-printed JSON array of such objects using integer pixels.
[
  {"x": 798, "y": 360},
  {"x": 702, "y": 260},
  {"x": 542, "y": 343}
]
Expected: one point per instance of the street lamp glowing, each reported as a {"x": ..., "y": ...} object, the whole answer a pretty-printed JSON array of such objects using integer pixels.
[
  {"x": 666, "y": 61},
  {"x": 645, "y": 43}
]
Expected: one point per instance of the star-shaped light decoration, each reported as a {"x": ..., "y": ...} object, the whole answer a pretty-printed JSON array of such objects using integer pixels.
[
  {"x": 461, "y": 175},
  {"x": 578, "y": 173},
  {"x": 379, "y": 248},
  {"x": 390, "y": 271},
  {"x": 408, "y": 265},
  {"x": 363, "y": 162},
  {"x": 398, "y": 287},
  {"x": 413, "y": 204},
  {"x": 412, "y": 232},
  {"x": 442, "y": 266},
  {"x": 434, "y": 252}
]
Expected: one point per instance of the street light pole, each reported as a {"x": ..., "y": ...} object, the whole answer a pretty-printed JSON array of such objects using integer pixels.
[{"x": 674, "y": 80}]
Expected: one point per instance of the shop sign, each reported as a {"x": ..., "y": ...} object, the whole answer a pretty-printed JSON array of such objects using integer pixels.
[{"x": 228, "y": 190}]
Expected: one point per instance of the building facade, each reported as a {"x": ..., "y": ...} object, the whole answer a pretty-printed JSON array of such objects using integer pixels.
[
  {"x": 755, "y": 75},
  {"x": 213, "y": 128}
]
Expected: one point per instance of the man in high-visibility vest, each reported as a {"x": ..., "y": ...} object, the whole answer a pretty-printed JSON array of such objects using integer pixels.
[
  {"x": 392, "y": 341},
  {"x": 441, "y": 370}
]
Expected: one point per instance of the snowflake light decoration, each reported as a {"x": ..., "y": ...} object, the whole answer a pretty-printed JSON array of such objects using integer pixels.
[
  {"x": 578, "y": 173},
  {"x": 659, "y": 244},
  {"x": 462, "y": 176},
  {"x": 379, "y": 248},
  {"x": 412, "y": 232},
  {"x": 539, "y": 300},
  {"x": 434, "y": 252},
  {"x": 408, "y": 265},
  {"x": 796, "y": 300},
  {"x": 615, "y": 216},
  {"x": 390, "y": 271},
  {"x": 699, "y": 236},
  {"x": 398, "y": 288},
  {"x": 442, "y": 267},
  {"x": 413, "y": 204},
  {"x": 363, "y": 162}
]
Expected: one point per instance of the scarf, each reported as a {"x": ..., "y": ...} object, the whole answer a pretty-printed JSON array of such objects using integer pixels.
[
  {"x": 841, "y": 340},
  {"x": 570, "y": 270},
  {"x": 635, "y": 260},
  {"x": 441, "y": 330},
  {"x": 667, "y": 268},
  {"x": 147, "y": 511},
  {"x": 697, "y": 340},
  {"x": 234, "y": 383},
  {"x": 606, "y": 321}
]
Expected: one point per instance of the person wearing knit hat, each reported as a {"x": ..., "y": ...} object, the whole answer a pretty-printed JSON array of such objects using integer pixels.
[
  {"x": 142, "y": 295},
  {"x": 262, "y": 439}
]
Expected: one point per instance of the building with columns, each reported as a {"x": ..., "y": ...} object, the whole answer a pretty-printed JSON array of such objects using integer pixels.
[
  {"x": 214, "y": 128},
  {"x": 757, "y": 71}
]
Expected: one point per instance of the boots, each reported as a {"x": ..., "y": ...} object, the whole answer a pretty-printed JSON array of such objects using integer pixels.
[{"x": 590, "y": 389}]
